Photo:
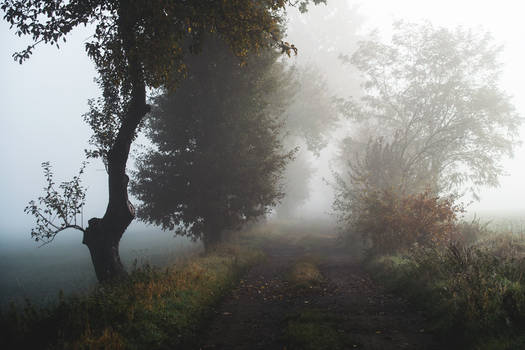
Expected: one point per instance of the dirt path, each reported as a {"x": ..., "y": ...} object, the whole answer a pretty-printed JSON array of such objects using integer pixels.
[{"x": 346, "y": 310}]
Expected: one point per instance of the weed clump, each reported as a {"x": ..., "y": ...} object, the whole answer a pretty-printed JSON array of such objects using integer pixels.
[
  {"x": 475, "y": 294},
  {"x": 304, "y": 273}
]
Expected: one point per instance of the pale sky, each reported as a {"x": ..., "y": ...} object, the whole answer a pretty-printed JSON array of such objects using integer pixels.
[
  {"x": 43, "y": 100},
  {"x": 42, "y": 103}
]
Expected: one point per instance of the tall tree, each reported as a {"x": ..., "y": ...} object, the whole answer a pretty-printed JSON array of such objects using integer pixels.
[
  {"x": 217, "y": 156},
  {"x": 309, "y": 120},
  {"x": 136, "y": 44},
  {"x": 433, "y": 109}
]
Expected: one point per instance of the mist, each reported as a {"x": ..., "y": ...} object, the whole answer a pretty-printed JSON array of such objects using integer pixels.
[
  {"x": 317, "y": 135},
  {"x": 44, "y": 98}
]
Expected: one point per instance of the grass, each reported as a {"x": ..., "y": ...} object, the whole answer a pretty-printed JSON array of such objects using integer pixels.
[
  {"x": 154, "y": 309},
  {"x": 474, "y": 294},
  {"x": 314, "y": 329},
  {"x": 304, "y": 274}
]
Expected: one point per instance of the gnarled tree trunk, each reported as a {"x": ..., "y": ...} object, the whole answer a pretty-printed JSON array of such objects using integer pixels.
[
  {"x": 103, "y": 235},
  {"x": 103, "y": 246}
]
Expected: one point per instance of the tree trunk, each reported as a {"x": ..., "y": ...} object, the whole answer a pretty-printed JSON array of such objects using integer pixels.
[
  {"x": 103, "y": 235},
  {"x": 104, "y": 250},
  {"x": 212, "y": 236},
  {"x": 211, "y": 242}
]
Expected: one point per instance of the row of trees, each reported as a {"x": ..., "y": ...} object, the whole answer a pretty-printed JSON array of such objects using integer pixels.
[
  {"x": 431, "y": 120},
  {"x": 135, "y": 46}
]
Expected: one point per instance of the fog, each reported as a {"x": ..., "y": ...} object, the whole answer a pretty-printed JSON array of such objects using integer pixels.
[
  {"x": 43, "y": 101},
  {"x": 501, "y": 19}
]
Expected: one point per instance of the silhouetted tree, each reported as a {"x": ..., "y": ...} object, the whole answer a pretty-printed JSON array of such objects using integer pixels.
[
  {"x": 137, "y": 45},
  {"x": 312, "y": 119},
  {"x": 295, "y": 181},
  {"x": 309, "y": 120},
  {"x": 217, "y": 156}
]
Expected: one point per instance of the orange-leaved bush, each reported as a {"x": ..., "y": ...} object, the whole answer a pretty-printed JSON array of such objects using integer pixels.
[{"x": 391, "y": 222}]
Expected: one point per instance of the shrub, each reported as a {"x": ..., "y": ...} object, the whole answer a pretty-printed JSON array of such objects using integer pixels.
[
  {"x": 473, "y": 231},
  {"x": 390, "y": 222},
  {"x": 473, "y": 294}
]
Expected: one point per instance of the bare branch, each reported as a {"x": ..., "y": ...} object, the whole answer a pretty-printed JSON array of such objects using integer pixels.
[{"x": 64, "y": 206}]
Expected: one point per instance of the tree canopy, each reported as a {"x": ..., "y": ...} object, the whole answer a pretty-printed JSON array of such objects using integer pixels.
[
  {"x": 217, "y": 155},
  {"x": 432, "y": 105},
  {"x": 432, "y": 121}
]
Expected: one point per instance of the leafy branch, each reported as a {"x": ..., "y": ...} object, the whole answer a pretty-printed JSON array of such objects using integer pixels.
[{"x": 58, "y": 209}]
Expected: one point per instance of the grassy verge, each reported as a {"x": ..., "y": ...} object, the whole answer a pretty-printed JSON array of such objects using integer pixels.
[
  {"x": 304, "y": 274},
  {"x": 153, "y": 309},
  {"x": 474, "y": 295}
]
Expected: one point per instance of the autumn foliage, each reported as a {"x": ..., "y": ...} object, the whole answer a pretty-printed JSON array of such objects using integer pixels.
[{"x": 390, "y": 222}]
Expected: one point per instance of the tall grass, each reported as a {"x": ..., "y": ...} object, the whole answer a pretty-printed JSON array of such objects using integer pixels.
[
  {"x": 153, "y": 309},
  {"x": 474, "y": 292}
]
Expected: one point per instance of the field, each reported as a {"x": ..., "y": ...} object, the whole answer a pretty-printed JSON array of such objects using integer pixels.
[{"x": 27, "y": 271}]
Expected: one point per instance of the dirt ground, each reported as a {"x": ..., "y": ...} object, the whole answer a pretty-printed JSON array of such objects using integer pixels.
[{"x": 344, "y": 310}]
